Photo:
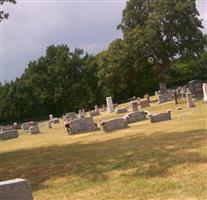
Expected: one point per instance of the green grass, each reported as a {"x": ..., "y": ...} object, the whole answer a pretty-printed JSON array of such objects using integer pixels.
[{"x": 166, "y": 160}]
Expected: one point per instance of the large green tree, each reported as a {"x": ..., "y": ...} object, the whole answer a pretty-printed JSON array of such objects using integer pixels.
[
  {"x": 3, "y": 14},
  {"x": 161, "y": 30}
]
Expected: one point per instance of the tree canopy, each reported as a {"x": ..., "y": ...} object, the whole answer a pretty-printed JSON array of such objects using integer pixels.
[
  {"x": 161, "y": 30},
  {"x": 3, "y": 14}
]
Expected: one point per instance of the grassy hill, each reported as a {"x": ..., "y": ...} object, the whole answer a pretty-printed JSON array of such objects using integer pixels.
[{"x": 166, "y": 160}]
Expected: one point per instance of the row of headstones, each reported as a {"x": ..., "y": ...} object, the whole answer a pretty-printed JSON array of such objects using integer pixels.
[
  {"x": 195, "y": 88},
  {"x": 86, "y": 124},
  {"x": 32, "y": 127}
]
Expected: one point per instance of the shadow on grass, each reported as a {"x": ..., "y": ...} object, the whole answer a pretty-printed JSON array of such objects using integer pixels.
[{"x": 147, "y": 156}]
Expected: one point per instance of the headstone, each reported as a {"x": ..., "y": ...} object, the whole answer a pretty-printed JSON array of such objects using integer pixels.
[
  {"x": 71, "y": 116},
  {"x": 83, "y": 124},
  {"x": 121, "y": 110},
  {"x": 51, "y": 117},
  {"x": 160, "y": 117},
  {"x": 34, "y": 130},
  {"x": 113, "y": 124},
  {"x": 6, "y": 135},
  {"x": 189, "y": 99},
  {"x": 56, "y": 121},
  {"x": 49, "y": 124},
  {"x": 94, "y": 113},
  {"x": 205, "y": 91},
  {"x": 16, "y": 126},
  {"x": 135, "y": 116},
  {"x": 15, "y": 189},
  {"x": 110, "y": 106},
  {"x": 96, "y": 108},
  {"x": 144, "y": 104},
  {"x": 183, "y": 92},
  {"x": 27, "y": 125},
  {"x": 162, "y": 98},
  {"x": 134, "y": 106},
  {"x": 195, "y": 87}
]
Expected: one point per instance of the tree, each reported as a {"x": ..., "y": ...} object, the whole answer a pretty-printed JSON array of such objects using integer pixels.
[
  {"x": 161, "y": 30},
  {"x": 4, "y": 15}
]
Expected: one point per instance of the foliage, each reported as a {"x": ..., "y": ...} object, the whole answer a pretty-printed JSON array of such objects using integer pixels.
[
  {"x": 161, "y": 30},
  {"x": 4, "y": 15},
  {"x": 57, "y": 83}
]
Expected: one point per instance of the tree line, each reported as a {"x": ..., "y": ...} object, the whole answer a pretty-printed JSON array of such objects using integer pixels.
[{"x": 162, "y": 44}]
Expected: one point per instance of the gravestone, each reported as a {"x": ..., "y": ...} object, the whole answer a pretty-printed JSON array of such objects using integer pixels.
[
  {"x": 134, "y": 106},
  {"x": 160, "y": 117},
  {"x": 109, "y": 103},
  {"x": 195, "y": 87},
  {"x": 9, "y": 134},
  {"x": 189, "y": 99},
  {"x": 15, "y": 189},
  {"x": 16, "y": 126},
  {"x": 96, "y": 108},
  {"x": 34, "y": 130},
  {"x": 82, "y": 124},
  {"x": 51, "y": 117},
  {"x": 113, "y": 124},
  {"x": 27, "y": 125},
  {"x": 95, "y": 112},
  {"x": 135, "y": 116},
  {"x": 205, "y": 91},
  {"x": 162, "y": 98},
  {"x": 71, "y": 116},
  {"x": 56, "y": 121},
  {"x": 49, "y": 124},
  {"x": 144, "y": 104},
  {"x": 121, "y": 110}
]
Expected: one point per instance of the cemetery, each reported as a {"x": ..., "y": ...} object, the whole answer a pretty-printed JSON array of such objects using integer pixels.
[
  {"x": 103, "y": 114},
  {"x": 129, "y": 131}
]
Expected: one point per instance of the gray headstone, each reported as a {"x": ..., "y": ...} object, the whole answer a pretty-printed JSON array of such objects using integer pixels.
[
  {"x": 160, "y": 117},
  {"x": 189, "y": 99},
  {"x": 110, "y": 106},
  {"x": 16, "y": 189},
  {"x": 82, "y": 124},
  {"x": 5, "y": 135},
  {"x": 195, "y": 87},
  {"x": 34, "y": 130},
  {"x": 113, "y": 124},
  {"x": 162, "y": 98},
  {"x": 134, "y": 106},
  {"x": 121, "y": 110},
  {"x": 135, "y": 116}
]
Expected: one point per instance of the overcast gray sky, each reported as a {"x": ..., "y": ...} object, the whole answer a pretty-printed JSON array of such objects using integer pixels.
[{"x": 35, "y": 24}]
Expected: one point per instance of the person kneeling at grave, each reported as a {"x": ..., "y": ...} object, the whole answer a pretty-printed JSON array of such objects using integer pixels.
[{"x": 67, "y": 126}]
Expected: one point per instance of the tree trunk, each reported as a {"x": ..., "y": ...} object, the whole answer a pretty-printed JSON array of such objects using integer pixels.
[{"x": 163, "y": 87}]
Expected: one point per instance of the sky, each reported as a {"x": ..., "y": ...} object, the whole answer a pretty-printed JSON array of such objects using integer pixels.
[{"x": 33, "y": 25}]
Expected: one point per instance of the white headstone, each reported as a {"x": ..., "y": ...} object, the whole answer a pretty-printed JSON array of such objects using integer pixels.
[
  {"x": 205, "y": 91},
  {"x": 109, "y": 103},
  {"x": 189, "y": 99},
  {"x": 51, "y": 117},
  {"x": 96, "y": 108}
]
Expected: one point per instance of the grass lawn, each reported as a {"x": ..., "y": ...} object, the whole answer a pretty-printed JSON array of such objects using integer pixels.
[{"x": 161, "y": 161}]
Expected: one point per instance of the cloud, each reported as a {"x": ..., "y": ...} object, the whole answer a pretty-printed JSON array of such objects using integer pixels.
[{"x": 32, "y": 26}]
